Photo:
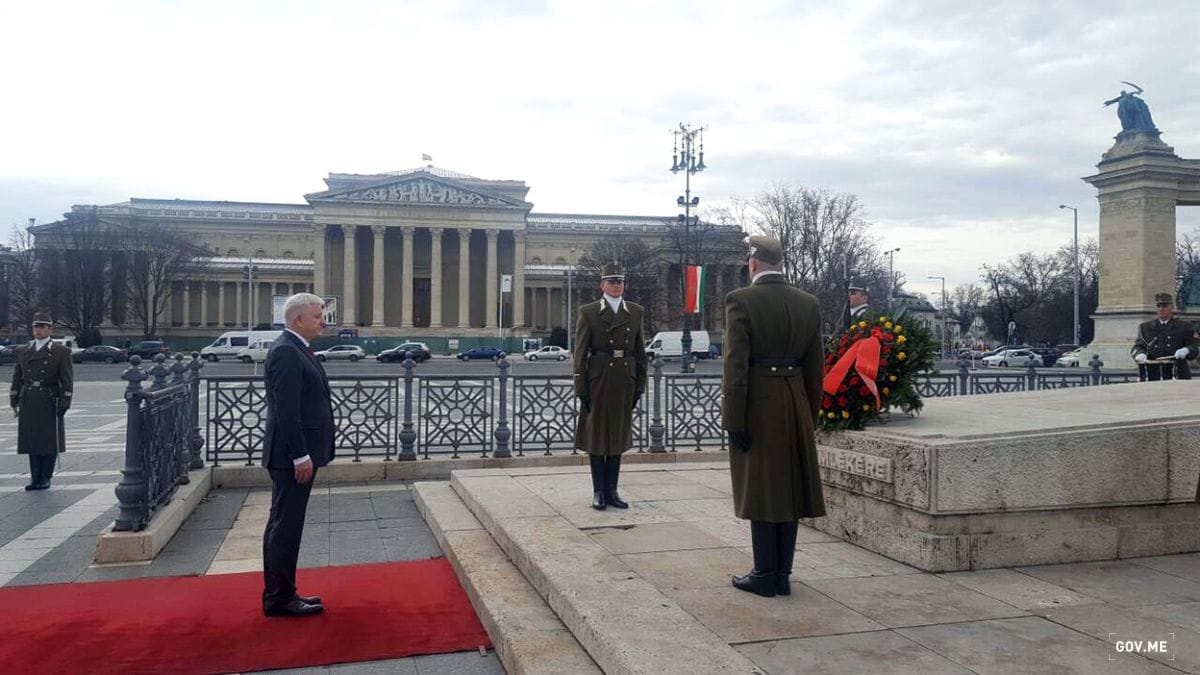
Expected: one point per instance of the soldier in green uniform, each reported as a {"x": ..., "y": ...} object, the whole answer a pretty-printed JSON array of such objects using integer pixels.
[
  {"x": 772, "y": 387},
  {"x": 42, "y": 385},
  {"x": 1164, "y": 338},
  {"x": 610, "y": 377}
]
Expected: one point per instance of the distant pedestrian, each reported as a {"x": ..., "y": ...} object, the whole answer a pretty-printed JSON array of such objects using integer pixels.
[
  {"x": 1169, "y": 341},
  {"x": 610, "y": 377},
  {"x": 298, "y": 441},
  {"x": 772, "y": 394},
  {"x": 42, "y": 386}
]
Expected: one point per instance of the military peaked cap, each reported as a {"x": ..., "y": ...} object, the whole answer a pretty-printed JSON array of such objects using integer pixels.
[
  {"x": 42, "y": 320},
  {"x": 858, "y": 286},
  {"x": 612, "y": 270},
  {"x": 1163, "y": 299},
  {"x": 766, "y": 249}
]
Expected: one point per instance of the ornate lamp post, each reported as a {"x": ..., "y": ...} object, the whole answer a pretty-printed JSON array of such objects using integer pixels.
[
  {"x": 685, "y": 159},
  {"x": 945, "y": 336},
  {"x": 1075, "y": 255}
]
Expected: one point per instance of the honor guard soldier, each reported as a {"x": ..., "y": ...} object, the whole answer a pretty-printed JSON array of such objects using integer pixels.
[
  {"x": 610, "y": 377},
  {"x": 774, "y": 362},
  {"x": 860, "y": 299},
  {"x": 1164, "y": 344},
  {"x": 40, "y": 396}
]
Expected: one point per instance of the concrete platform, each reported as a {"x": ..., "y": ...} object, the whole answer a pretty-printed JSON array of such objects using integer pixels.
[
  {"x": 647, "y": 590},
  {"x": 977, "y": 482}
]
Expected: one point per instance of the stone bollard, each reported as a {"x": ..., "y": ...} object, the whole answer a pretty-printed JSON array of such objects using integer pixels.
[
  {"x": 1031, "y": 377},
  {"x": 1096, "y": 364},
  {"x": 964, "y": 376}
]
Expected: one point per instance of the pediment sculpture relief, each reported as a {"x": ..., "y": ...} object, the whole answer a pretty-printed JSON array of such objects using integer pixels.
[{"x": 421, "y": 191}]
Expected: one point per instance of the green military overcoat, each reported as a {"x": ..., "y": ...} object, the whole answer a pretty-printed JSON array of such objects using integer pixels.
[
  {"x": 610, "y": 382},
  {"x": 1159, "y": 340},
  {"x": 42, "y": 386},
  {"x": 778, "y": 480}
]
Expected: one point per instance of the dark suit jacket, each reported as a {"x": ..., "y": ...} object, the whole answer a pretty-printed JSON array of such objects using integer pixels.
[{"x": 299, "y": 409}]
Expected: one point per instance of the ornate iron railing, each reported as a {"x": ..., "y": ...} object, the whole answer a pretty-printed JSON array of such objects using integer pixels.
[
  {"x": 162, "y": 439},
  {"x": 413, "y": 416}
]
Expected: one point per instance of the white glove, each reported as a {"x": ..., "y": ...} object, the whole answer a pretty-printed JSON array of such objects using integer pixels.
[
  {"x": 1140, "y": 358},
  {"x": 1181, "y": 353}
]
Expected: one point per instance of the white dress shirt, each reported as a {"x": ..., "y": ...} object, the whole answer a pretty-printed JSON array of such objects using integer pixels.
[
  {"x": 765, "y": 273},
  {"x": 614, "y": 303}
]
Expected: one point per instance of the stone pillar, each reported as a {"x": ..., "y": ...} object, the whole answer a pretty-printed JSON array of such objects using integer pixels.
[
  {"x": 435, "y": 277},
  {"x": 492, "y": 280},
  {"x": 464, "y": 277},
  {"x": 350, "y": 279},
  {"x": 377, "y": 277},
  {"x": 406, "y": 278},
  {"x": 187, "y": 304},
  {"x": 518, "y": 278},
  {"x": 203, "y": 303},
  {"x": 239, "y": 314},
  {"x": 319, "y": 274},
  {"x": 221, "y": 303}
]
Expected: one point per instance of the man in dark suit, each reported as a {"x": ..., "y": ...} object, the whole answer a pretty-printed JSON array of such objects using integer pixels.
[
  {"x": 298, "y": 441},
  {"x": 42, "y": 384},
  {"x": 772, "y": 387}
]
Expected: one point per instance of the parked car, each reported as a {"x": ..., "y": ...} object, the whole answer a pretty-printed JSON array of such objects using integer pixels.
[
  {"x": 970, "y": 353},
  {"x": 8, "y": 355},
  {"x": 104, "y": 353},
  {"x": 548, "y": 352},
  {"x": 255, "y": 351},
  {"x": 1049, "y": 355},
  {"x": 341, "y": 352},
  {"x": 1069, "y": 360},
  {"x": 1013, "y": 357},
  {"x": 148, "y": 349},
  {"x": 1064, "y": 348},
  {"x": 489, "y": 352},
  {"x": 420, "y": 352}
]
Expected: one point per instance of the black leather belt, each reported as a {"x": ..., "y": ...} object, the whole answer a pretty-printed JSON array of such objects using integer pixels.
[
  {"x": 775, "y": 363},
  {"x": 616, "y": 353}
]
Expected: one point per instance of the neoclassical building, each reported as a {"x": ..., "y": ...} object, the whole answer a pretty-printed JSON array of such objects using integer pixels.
[{"x": 415, "y": 253}]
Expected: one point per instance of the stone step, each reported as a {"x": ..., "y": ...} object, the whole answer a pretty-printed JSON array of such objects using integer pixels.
[
  {"x": 527, "y": 634},
  {"x": 626, "y": 624}
]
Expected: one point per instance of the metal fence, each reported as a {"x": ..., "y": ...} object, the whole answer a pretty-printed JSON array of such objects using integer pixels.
[
  {"x": 413, "y": 415},
  {"x": 162, "y": 436}
]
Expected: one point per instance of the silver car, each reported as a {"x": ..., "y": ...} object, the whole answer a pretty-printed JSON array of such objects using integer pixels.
[{"x": 341, "y": 352}]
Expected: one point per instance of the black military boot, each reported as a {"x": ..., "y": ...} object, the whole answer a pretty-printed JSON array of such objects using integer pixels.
[
  {"x": 612, "y": 473},
  {"x": 597, "y": 462},
  {"x": 48, "y": 462},
  {"x": 787, "y": 553},
  {"x": 35, "y": 472},
  {"x": 762, "y": 579}
]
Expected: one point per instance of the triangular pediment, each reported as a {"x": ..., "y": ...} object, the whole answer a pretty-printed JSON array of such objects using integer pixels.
[{"x": 422, "y": 188}]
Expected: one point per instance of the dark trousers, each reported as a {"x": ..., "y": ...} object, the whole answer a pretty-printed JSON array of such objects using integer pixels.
[
  {"x": 281, "y": 540},
  {"x": 41, "y": 468},
  {"x": 1153, "y": 372}
]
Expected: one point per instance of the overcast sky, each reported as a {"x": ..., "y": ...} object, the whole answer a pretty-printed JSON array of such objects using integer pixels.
[{"x": 961, "y": 129}]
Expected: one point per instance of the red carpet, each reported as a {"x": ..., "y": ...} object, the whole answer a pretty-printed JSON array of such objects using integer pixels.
[{"x": 208, "y": 624}]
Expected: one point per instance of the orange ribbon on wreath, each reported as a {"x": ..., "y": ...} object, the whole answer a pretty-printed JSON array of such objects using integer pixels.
[{"x": 864, "y": 356}]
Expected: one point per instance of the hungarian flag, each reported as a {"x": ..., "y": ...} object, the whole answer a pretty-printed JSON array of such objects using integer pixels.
[{"x": 693, "y": 300}]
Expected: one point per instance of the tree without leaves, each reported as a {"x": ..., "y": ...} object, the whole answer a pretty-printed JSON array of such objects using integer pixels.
[
  {"x": 156, "y": 257},
  {"x": 73, "y": 265},
  {"x": 23, "y": 280}
]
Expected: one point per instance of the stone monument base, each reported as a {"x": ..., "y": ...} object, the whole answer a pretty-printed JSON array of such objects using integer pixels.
[{"x": 1027, "y": 478}]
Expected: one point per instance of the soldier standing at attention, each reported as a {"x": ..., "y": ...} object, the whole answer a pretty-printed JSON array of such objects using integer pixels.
[
  {"x": 772, "y": 386},
  {"x": 1164, "y": 338},
  {"x": 860, "y": 300},
  {"x": 42, "y": 384},
  {"x": 610, "y": 377}
]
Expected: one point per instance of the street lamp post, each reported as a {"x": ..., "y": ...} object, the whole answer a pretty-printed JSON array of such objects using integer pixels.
[
  {"x": 891, "y": 274},
  {"x": 683, "y": 158},
  {"x": 1075, "y": 255},
  {"x": 570, "y": 274},
  {"x": 248, "y": 269},
  {"x": 945, "y": 337}
]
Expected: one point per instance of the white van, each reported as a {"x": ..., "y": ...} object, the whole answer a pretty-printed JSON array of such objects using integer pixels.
[
  {"x": 669, "y": 344},
  {"x": 229, "y": 344},
  {"x": 69, "y": 343},
  {"x": 256, "y": 352}
]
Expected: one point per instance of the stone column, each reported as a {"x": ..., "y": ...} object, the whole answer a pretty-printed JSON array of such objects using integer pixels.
[
  {"x": 350, "y": 279},
  {"x": 319, "y": 282},
  {"x": 406, "y": 278},
  {"x": 492, "y": 236},
  {"x": 435, "y": 277},
  {"x": 518, "y": 278},
  {"x": 239, "y": 314},
  {"x": 464, "y": 277},
  {"x": 221, "y": 303},
  {"x": 203, "y": 303},
  {"x": 187, "y": 304},
  {"x": 377, "y": 277}
]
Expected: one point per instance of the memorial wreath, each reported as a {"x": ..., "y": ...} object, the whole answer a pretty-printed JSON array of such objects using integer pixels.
[{"x": 872, "y": 367}]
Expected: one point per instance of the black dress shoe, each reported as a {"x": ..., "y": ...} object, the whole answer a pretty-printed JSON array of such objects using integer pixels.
[
  {"x": 31, "y": 486},
  {"x": 38, "y": 486},
  {"x": 759, "y": 583},
  {"x": 310, "y": 599},
  {"x": 613, "y": 499},
  {"x": 293, "y": 607},
  {"x": 598, "y": 501}
]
